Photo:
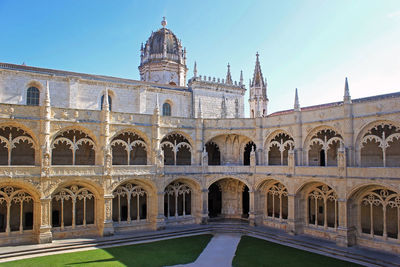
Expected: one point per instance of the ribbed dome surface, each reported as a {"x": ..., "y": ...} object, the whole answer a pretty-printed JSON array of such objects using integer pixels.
[{"x": 155, "y": 44}]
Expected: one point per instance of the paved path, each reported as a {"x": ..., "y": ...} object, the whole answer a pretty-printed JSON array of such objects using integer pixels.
[{"x": 219, "y": 252}]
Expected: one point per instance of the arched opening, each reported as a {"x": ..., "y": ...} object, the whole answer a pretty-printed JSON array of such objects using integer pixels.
[
  {"x": 278, "y": 149},
  {"x": 274, "y": 200},
  {"x": 32, "y": 96},
  {"x": 73, "y": 206},
  {"x": 129, "y": 149},
  {"x": 16, "y": 147},
  {"x": 214, "y": 155},
  {"x": 166, "y": 109},
  {"x": 379, "y": 213},
  {"x": 16, "y": 210},
  {"x": 177, "y": 200},
  {"x": 380, "y": 146},
  {"x": 109, "y": 102},
  {"x": 73, "y": 147},
  {"x": 228, "y": 198},
  {"x": 214, "y": 201},
  {"x": 322, "y": 206},
  {"x": 250, "y": 146},
  {"x": 129, "y": 203},
  {"x": 177, "y": 150},
  {"x": 322, "y": 148}
]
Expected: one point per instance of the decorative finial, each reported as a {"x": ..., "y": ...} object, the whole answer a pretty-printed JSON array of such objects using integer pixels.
[
  {"x": 257, "y": 55},
  {"x": 228, "y": 75},
  {"x": 346, "y": 97},
  {"x": 296, "y": 102},
  {"x": 47, "y": 95},
  {"x": 164, "y": 22},
  {"x": 241, "y": 78},
  {"x": 195, "y": 70},
  {"x": 106, "y": 105}
]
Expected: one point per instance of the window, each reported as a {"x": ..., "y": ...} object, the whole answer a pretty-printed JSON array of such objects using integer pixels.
[
  {"x": 32, "y": 96},
  {"x": 166, "y": 109},
  {"x": 109, "y": 102}
]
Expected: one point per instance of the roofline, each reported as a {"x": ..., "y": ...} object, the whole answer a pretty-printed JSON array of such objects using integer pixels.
[
  {"x": 339, "y": 103},
  {"x": 103, "y": 78}
]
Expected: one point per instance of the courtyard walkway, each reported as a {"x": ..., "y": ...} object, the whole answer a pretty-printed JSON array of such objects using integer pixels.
[{"x": 219, "y": 252}]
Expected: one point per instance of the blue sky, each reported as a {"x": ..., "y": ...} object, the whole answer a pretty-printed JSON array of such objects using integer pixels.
[{"x": 312, "y": 45}]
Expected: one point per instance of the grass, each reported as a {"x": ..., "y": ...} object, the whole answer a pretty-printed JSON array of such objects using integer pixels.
[
  {"x": 160, "y": 253},
  {"x": 257, "y": 252}
]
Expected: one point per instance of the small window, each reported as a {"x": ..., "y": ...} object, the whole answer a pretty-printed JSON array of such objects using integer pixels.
[
  {"x": 32, "y": 96},
  {"x": 166, "y": 109},
  {"x": 109, "y": 102}
]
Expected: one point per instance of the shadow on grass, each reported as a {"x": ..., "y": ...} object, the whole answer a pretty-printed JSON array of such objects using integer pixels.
[
  {"x": 258, "y": 252},
  {"x": 160, "y": 253}
]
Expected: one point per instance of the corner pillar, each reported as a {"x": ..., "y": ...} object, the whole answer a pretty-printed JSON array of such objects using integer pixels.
[
  {"x": 108, "y": 222},
  {"x": 160, "y": 221},
  {"x": 252, "y": 213},
  {"x": 45, "y": 235},
  {"x": 346, "y": 235},
  {"x": 204, "y": 213}
]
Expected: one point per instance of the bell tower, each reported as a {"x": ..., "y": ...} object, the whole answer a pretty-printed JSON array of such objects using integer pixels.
[{"x": 258, "y": 99}]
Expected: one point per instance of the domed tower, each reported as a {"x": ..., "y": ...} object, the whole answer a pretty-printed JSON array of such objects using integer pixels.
[{"x": 162, "y": 59}]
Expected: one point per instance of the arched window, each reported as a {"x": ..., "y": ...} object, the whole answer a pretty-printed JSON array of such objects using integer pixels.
[
  {"x": 129, "y": 203},
  {"x": 177, "y": 200},
  {"x": 109, "y": 102},
  {"x": 276, "y": 200},
  {"x": 166, "y": 109},
  {"x": 177, "y": 150},
  {"x": 72, "y": 206},
  {"x": 32, "y": 96},
  {"x": 322, "y": 207}
]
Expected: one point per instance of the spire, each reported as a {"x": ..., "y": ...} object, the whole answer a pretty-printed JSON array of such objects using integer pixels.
[
  {"x": 241, "y": 78},
  {"x": 296, "y": 102},
  {"x": 257, "y": 76},
  {"x": 346, "y": 97},
  {"x": 199, "y": 112},
  {"x": 195, "y": 70},
  {"x": 164, "y": 22},
  {"x": 47, "y": 95},
  {"x": 228, "y": 75},
  {"x": 106, "y": 105}
]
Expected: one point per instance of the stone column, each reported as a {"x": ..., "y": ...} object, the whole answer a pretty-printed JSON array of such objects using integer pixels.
[
  {"x": 252, "y": 213},
  {"x": 108, "y": 222},
  {"x": 346, "y": 234},
  {"x": 294, "y": 223},
  {"x": 204, "y": 213},
  {"x": 160, "y": 221},
  {"x": 45, "y": 235}
]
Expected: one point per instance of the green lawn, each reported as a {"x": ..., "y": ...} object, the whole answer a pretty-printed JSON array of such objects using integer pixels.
[
  {"x": 257, "y": 252},
  {"x": 160, "y": 253}
]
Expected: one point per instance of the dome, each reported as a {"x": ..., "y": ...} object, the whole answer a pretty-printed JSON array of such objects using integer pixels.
[
  {"x": 157, "y": 39},
  {"x": 163, "y": 45}
]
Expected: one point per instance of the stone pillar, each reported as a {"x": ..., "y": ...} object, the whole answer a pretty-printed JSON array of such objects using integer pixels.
[
  {"x": 160, "y": 221},
  {"x": 294, "y": 223},
  {"x": 108, "y": 222},
  {"x": 346, "y": 234},
  {"x": 45, "y": 235},
  {"x": 341, "y": 161},
  {"x": 204, "y": 213},
  {"x": 291, "y": 161},
  {"x": 252, "y": 213}
]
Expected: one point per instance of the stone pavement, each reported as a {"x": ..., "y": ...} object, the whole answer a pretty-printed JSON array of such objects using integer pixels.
[{"x": 219, "y": 252}]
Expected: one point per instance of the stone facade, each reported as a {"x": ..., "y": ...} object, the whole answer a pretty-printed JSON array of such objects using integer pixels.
[{"x": 78, "y": 164}]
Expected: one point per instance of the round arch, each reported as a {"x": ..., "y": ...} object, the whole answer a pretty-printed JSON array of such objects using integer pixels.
[
  {"x": 272, "y": 135},
  {"x": 216, "y": 179},
  {"x": 363, "y": 131},
  {"x": 85, "y": 130},
  {"x": 24, "y": 128},
  {"x": 134, "y": 131},
  {"x": 184, "y": 134}
]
